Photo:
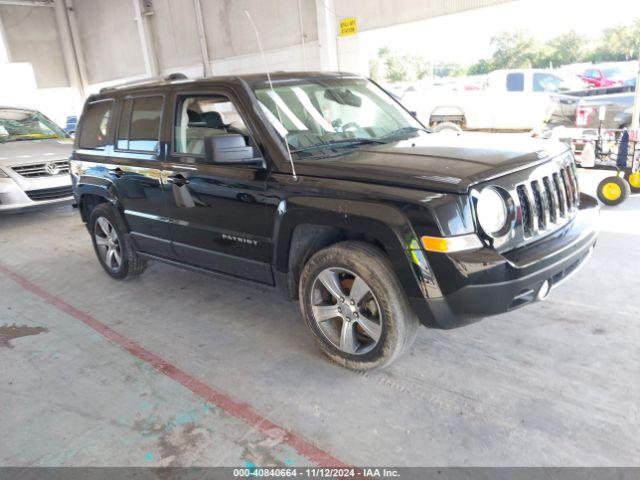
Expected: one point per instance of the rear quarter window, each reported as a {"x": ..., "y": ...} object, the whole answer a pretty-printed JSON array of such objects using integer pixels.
[
  {"x": 515, "y": 82},
  {"x": 95, "y": 131}
]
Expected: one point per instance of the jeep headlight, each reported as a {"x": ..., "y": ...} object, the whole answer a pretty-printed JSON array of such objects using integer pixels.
[{"x": 492, "y": 212}]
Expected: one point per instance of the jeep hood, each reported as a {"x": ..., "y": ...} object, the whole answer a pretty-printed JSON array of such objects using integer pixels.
[
  {"x": 443, "y": 162},
  {"x": 34, "y": 151}
]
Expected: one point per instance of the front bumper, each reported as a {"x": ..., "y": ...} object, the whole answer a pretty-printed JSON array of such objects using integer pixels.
[
  {"x": 18, "y": 196},
  {"x": 485, "y": 282}
]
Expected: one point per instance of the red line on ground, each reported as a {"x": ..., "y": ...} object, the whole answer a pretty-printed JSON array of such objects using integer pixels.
[{"x": 235, "y": 408}]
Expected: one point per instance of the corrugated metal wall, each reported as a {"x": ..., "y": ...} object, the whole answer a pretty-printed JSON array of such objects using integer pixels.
[
  {"x": 32, "y": 36},
  {"x": 111, "y": 46}
]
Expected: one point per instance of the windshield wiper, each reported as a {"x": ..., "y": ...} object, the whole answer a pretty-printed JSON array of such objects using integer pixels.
[
  {"x": 347, "y": 142},
  {"x": 26, "y": 138},
  {"x": 406, "y": 130}
]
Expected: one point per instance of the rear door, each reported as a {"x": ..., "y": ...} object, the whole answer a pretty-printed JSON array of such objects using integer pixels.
[
  {"x": 221, "y": 215},
  {"x": 136, "y": 172}
]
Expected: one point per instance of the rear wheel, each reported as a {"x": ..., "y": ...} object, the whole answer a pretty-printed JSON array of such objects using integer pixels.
[
  {"x": 354, "y": 305},
  {"x": 113, "y": 248},
  {"x": 613, "y": 191}
]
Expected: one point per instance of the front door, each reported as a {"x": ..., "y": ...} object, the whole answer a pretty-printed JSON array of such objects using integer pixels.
[{"x": 221, "y": 216}]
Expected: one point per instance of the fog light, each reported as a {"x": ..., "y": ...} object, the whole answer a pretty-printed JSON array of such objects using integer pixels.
[{"x": 544, "y": 291}]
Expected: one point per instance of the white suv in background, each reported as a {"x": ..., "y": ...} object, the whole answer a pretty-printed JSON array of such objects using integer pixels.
[{"x": 34, "y": 167}]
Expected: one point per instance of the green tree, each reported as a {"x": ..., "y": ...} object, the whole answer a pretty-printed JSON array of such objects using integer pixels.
[
  {"x": 449, "y": 70},
  {"x": 391, "y": 66},
  {"x": 564, "y": 49},
  {"x": 482, "y": 67},
  {"x": 618, "y": 43},
  {"x": 516, "y": 49}
]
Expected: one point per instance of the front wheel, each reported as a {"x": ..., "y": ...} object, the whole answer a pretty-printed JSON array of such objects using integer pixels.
[
  {"x": 613, "y": 191},
  {"x": 113, "y": 248},
  {"x": 355, "y": 306}
]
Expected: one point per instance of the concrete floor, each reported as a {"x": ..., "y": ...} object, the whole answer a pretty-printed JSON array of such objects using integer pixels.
[{"x": 240, "y": 381}]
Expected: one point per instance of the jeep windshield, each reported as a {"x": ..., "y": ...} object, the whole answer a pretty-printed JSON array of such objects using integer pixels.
[
  {"x": 17, "y": 125},
  {"x": 329, "y": 116}
]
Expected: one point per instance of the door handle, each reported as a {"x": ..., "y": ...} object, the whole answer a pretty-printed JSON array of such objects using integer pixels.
[
  {"x": 118, "y": 172},
  {"x": 178, "y": 179}
]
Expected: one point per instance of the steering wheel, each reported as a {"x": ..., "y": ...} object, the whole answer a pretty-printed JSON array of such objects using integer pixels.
[{"x": 351, "y": 127}]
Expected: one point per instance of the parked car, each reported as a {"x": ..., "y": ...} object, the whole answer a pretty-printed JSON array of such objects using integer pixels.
[
  {"x": 619, "y": 109},
  {"x": 34, "y": 167},
  {"x": 375, "y": 224},
  {"x": 597, "y": 78},
  {"x": 509, "y": 100},
  {"x": 610, "y": 75},
  {"x": 71, "y": 124}
]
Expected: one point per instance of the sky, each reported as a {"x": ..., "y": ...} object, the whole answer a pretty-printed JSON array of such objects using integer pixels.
[{"x": 473, "y": 30}]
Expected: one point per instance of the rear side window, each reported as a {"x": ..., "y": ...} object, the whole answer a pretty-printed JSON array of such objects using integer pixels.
[
  {"x": 140, "y": 124},
  {"x": 515, "y": 82},
  {"x": 96, "y": 125}
]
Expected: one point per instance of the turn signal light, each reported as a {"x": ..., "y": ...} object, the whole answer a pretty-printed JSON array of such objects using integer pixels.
[{"x": 451, "y": 244}]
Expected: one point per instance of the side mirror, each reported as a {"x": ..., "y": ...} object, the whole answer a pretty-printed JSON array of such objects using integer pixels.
[{"x": 229, "y": 148}]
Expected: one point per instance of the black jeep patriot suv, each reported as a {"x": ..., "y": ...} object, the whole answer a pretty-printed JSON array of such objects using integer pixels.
[{"x": 326, "y": 187}]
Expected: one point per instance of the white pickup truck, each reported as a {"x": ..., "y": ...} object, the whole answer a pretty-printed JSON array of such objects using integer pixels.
[{"x": 507, "y": 100}]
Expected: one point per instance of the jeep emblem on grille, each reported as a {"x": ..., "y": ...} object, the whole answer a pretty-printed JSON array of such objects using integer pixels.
[{"x": 52, "y": 168}]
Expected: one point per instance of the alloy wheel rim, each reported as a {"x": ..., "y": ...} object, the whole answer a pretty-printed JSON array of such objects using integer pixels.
[
  {"x": 108, "y": 244},
  {"x": 346, "y": 311}
]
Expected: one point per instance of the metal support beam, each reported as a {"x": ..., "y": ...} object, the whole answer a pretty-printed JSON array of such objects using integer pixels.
[
  {"x": 635, "y": 116},
  {"x": 73, "y": 59},
  {"x": 327, "y": 34},
  {"x": 202, "y": 37},
  {"x": 5, "y": 54},
  {"x": 142, "y": 14},
  {"x": 28, "y": 3}
]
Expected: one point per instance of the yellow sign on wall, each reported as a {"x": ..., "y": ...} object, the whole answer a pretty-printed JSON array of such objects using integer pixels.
[{"x": 348, "y": 26}]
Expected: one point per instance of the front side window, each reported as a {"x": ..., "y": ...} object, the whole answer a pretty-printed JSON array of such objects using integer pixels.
[
  {"x": 96, "y": 124},
  {"x": 140, "y": 124},
  {"x": 330, "y": 115},
  {"x": 199, "y": 117},
  {"x": 17, "y": 125},
  {"x": 546, "y": 82},
  {"x": 515, "y": 82}
]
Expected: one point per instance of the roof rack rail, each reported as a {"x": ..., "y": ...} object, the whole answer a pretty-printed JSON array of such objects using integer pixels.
[{"x": 147, "y": 81}]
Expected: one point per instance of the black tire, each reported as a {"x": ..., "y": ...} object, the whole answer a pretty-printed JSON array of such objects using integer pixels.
[
  {"x": 613, "y": 190},
  {"x": 131, "y": 264},
  {"x": 398, "y": 323},
  {"x": 633, "y": 179}
]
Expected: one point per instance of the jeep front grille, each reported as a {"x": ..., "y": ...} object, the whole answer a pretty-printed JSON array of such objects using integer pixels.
[
  {"x": 548, "y": 202},
  {"x": 45, "y": 169}
]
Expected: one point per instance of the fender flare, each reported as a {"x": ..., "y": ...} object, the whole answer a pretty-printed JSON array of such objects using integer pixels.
[
  {"x": 98, "y": 187},
  {"x": 382, "y": 223}
]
